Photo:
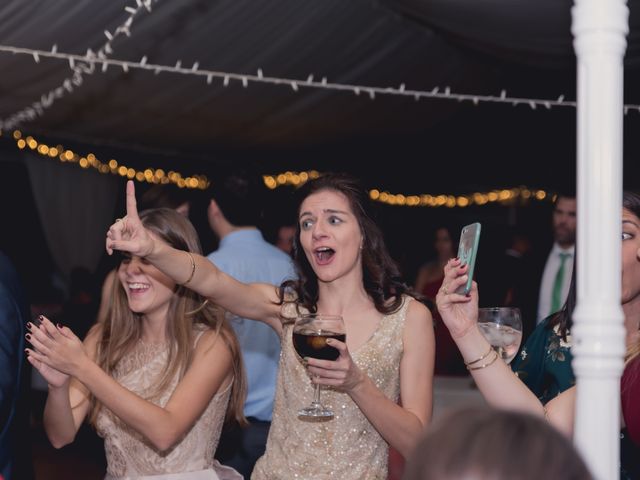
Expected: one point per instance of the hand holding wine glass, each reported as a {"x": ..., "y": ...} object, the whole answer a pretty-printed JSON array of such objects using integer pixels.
[
  {"x": 502, "y": 327},
  {"x": 310, "y": 335}
]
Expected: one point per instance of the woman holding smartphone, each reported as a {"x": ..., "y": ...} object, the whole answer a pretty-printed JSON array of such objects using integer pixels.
[
  {"x": 503, "y": 389},
  {"x": 343, "y": 269}
]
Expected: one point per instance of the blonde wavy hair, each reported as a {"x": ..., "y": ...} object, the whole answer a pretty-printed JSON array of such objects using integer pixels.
[{"x": 121, "y": 329}]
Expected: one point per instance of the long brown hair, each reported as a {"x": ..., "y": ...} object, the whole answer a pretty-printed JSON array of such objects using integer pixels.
[
  {"x": 380, "y": 273},
  {"x": 121, "y": 328}
]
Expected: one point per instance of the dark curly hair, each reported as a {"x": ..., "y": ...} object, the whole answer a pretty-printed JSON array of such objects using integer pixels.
[{"x": 381, "y": 275}]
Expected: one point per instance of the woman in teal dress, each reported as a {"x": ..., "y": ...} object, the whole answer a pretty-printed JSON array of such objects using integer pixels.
[{"x": 544, "y": 363}]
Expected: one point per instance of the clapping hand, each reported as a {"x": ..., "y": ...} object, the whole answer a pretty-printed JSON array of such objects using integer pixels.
[
  {"x": 57, "y": 353},
  {"x": 128, "y": 234},
  {"x": 458, "y": 312}
]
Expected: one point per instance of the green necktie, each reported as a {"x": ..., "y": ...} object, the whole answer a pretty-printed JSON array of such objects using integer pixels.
[{"x": 556, "y": 295}]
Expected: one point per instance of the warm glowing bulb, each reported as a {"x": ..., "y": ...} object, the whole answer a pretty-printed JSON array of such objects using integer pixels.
[{"x": 270, "y": 182}]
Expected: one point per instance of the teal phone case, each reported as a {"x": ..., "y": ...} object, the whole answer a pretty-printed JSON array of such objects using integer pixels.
[{"x": 468, "y": 251}]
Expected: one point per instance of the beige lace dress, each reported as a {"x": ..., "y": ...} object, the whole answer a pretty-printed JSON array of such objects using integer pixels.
[
  {"x": 131, "y": 456},
  {"x": 347, "y": 447}
]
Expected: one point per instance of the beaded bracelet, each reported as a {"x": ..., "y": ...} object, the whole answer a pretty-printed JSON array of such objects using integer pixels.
[
  {"x": 479, "y": 359},
  {"x": 490, "y": 362},
  {"x": 193, "y": 268}
]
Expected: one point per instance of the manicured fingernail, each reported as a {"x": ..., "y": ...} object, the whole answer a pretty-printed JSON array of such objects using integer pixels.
[
  {"x": 58, "y": 325},
  {"x": 29, "y": 325},
  {"x": 41, "y": 318},
  {"x": 28, "y": 336}
]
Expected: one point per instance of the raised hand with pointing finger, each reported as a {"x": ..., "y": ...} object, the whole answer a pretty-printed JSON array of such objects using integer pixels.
[
  {"x": 349, "y": 272},
  {"x": 128, "y": 234},
  {"x": 159, "y": 373}
]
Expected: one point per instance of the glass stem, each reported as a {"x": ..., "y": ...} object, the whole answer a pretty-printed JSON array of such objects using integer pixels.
[{"x": 316, "y": 395}]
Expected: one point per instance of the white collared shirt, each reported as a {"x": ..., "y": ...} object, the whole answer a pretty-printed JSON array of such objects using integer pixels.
[{"x": 548, "y": 277}]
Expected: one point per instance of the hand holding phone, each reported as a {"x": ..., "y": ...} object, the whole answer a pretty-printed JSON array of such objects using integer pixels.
[{"x": 467, "y": 253}]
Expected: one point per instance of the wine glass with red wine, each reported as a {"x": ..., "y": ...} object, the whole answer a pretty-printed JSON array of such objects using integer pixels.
[{"x": 310, "y": 334}]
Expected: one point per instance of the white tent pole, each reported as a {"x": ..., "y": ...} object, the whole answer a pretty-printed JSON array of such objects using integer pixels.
[{"x": 599, "y": 28}]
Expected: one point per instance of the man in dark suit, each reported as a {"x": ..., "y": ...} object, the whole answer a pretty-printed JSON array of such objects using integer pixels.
[{"x": 15, "y": 459}]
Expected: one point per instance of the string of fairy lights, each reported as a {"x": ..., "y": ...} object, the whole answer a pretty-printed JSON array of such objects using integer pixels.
[
  {"x": 84, "y": 65},
  {"x": 245, "y": 79},
  {"x": 113, "y": 167},
  {"x": 273, "y": 181},
  {"x": 509, "y": 196}
]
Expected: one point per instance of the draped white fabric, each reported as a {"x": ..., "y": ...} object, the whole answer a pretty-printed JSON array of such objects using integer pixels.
[
  {"x": 467, "y": 45},
  {"x": 76, "y": 208},
  {"x": 344, "y": 41},
  {"x": 522, "y": 31}
]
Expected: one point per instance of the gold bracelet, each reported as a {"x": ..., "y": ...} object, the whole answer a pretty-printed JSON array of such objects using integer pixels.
[
  {"x": 485, "y": 364},
  {"x": 481, "y": 358},
  {"x": 193, "y": 268}
]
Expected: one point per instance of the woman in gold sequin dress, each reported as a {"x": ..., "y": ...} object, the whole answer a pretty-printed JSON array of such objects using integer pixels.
[
  {"x": 156, "y": 376},
  {"x": 343, "y": 269}
]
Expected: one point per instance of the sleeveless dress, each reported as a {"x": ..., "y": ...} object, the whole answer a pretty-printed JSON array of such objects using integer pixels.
[
  {"x": 131, "y": 456},
  {"x": 347, "y": 447}
]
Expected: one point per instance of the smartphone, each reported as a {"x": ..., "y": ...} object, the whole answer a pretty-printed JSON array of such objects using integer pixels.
[{"x": 467, "y": 253}]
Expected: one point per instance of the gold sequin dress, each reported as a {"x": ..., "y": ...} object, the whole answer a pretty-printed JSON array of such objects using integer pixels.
[
  {"x": 347, "y": 447},
  {"x": 131, "y": 456}
]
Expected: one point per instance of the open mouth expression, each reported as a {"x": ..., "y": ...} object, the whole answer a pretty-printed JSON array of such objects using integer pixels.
[
  {"x": 148, "y": 289},
  {"x": 329, "y": 234}
]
